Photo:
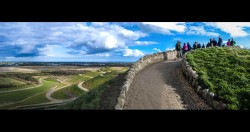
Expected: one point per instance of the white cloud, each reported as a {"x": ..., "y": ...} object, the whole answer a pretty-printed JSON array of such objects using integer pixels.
[
  {"x": 103, "y": 54},
  {"x": 170, "y": 49},
  {"x": 163, "y": 27},
  {"x": 235, "y": 29},
  {"x": 241, "y": 46},
  {"x": 158, "y": 50},
  {"x": 48, "y": 50},
  {"x": 135, "y": 53},
  {"x": 97, "y": 24},
  {"x": 199, "y": 30},
  {"x": 86, "y": 39},
  {"x": 144, "y": 43}
]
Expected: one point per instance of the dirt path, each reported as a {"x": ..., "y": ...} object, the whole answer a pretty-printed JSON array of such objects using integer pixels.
[
  {"x": 162, "y": 86},
  {"x": 81, "y": 87}
]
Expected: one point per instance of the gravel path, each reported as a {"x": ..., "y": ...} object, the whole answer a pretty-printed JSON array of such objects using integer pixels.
[{"x": 162, "y": 86}]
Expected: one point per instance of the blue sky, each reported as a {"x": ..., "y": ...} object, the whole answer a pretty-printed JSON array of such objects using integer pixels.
[{"x": 108, "y": 41}]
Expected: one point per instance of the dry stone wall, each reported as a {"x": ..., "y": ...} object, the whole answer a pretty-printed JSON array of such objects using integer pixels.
[{"x": 137, "y": 67}]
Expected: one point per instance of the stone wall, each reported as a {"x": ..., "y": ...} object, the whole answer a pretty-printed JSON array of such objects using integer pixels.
[
  {"x": 192, "y": 77},
  {"x": 137, "y": 67}
]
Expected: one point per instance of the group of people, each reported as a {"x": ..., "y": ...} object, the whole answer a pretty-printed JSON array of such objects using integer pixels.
[{"x": 187, "y": 47}]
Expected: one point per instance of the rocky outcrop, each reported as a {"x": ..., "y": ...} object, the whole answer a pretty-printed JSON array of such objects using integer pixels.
[
  {"x": 137, "y": 67},
  {"x": 192, "y": 77}
]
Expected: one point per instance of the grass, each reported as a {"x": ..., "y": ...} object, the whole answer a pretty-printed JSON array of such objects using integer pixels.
[
  {"x": 102, "y": 97},
  {"x": 77, "y": 78},
  {"x": 92, "y": 73},
  {"x": 10, "y": 82},
  {"x": 53, "y": 79},
  {"x": 36, "y": 99},
  {"x": 64, "y": 92},
  {"x": 97, "y": 81},
  {"x": 21, "y": 95},
  {"x": 226, "y": 72}
]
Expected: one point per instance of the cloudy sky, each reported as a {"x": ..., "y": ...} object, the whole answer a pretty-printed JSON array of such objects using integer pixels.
[{"x": 107, "y": 41}]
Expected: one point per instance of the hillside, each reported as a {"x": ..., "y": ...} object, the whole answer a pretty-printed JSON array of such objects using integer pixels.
[{"x": 226, "y": 72}]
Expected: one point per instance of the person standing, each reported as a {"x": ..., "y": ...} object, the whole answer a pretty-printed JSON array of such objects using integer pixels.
[
  {"x": 233, "y": 43},
  {"x": 185, "y": 48},
  {"x": 220, "y": 41},
  {"x": 189, "y": 46},
  {"x": 203, "y": 46},
  {"x": 195, "y": 45},
  {"x": 199, "y": 46},
  {"x": 228, "y": 42},
  {"x": 178, "y": 49}
]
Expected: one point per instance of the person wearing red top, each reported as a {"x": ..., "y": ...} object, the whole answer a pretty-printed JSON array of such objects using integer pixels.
[
  {"x": 228, "y": 42},
  {"x": 185, "y": 48}
]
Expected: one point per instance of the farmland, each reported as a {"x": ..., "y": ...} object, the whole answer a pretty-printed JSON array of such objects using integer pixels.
[{"x": 39, "y": 86}]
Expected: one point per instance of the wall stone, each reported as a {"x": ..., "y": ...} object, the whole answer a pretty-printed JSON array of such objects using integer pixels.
[
  {"x": 192, "y": 77},
  {"x": 137, "y": 67}
]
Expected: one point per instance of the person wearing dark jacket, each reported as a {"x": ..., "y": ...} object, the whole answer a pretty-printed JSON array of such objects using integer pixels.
[
  {"x": 199, "y": 46},
  {"x": 220, "y": 41},
  {"x": 178, "y": 49},
  {"x": 208, "y": 45},
  {"x": 195, "y": 45},
  {"x": 203, "y": 46},
  {"x": 233, "y": 43},
  {"x": 214, "y": 42},
  {"x": 189, "y": 46}
]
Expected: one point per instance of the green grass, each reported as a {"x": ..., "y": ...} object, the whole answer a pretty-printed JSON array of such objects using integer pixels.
[
  {"x": 21, "y": 95},
  {"x": 78, "y": 78},
  {"x": 62, "y": 93},
  {"x": 99, "y": 80},
  {"x": 51, "y": 79},
  {"x": 102, "y": 97},
  {"x": 36, "y": 99},
  {"x": 10, "y": 82},
  {"x": 106, "y": 69},
  {"x": 91, "y": 73},
  {"x": 226, "y": 72}
]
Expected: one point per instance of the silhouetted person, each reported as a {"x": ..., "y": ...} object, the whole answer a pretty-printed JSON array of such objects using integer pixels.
[
  {"x": 208, "y": 45},
  {"x": 211, "y": 43},
  {"x": 203, "y": 46},
  {"x": 189, "y": 46},
  {"x": 233, "y": 43},
  {"x": 195, "y": 45},
  {"x": 220, "y": 41},
  {"x": 199, "y": 46},
  {"x": 214, "y": 42}
]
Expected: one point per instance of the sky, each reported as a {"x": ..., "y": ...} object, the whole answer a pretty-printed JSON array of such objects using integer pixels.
[{"x": 108, "y": 41}]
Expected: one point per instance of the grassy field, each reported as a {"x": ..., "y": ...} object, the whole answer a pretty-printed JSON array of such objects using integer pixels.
[
  {"x": 11, "y": 97},
  {"x": 104, "y": 96},
  {"x": 67, "y": 92},
  {"x": 36, "y": 99},
  {"x": 92, "y": 73},
  {"x": 77, "y": 78},
  {"x": 6, "y": 83},
  {"x": 226, "y": 72},
  {"x": 97, "y": 81}
]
